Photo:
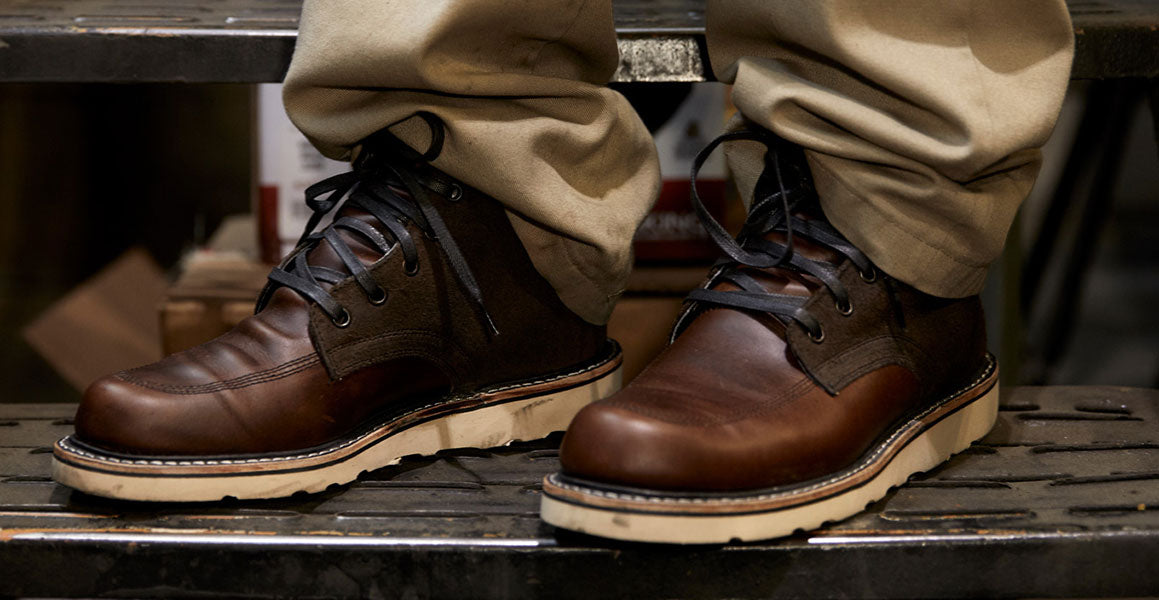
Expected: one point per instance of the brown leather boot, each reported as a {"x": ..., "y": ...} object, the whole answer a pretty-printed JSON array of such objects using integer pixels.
[
  {"x": 801, "y": 384},
  {"x": 413, "y": 323}
]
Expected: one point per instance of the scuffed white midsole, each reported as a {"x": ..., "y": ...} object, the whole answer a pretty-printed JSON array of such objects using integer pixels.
[{"x": 483, "y": 427}]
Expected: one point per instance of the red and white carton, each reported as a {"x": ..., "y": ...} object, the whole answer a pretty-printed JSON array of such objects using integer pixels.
[
  {"x": 672, "y": 231},
  {"x": 287, "y": 165}
]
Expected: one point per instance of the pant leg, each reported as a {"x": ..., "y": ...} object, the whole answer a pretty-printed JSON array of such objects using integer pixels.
[
  {"x": 520, "y": 85},
  {"x": 922, "y": 119}
]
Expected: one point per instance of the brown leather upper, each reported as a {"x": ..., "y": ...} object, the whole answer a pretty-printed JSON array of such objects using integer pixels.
[
  {"x": 729, "y": 406},
  {"x": 288, "y": 378}
]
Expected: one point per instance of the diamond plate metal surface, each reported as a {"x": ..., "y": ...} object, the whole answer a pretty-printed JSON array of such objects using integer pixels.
[
  {"x": 253, "y": 40},
  {"x": 1062, "y": 498}
]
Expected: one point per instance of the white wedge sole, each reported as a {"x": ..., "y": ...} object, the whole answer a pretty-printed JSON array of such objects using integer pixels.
[
  {"x": 492, "y": 418},
  {"x": 920, "y": 444}
]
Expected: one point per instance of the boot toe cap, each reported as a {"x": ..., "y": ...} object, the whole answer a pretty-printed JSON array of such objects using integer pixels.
[
  {"x": 114, "y": 414},
  {"x": 122, "y": 416},
  {"x": 610, "y": 444}
]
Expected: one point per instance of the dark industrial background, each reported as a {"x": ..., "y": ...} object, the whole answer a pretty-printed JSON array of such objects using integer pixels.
[{"x": 88, "y": 171}]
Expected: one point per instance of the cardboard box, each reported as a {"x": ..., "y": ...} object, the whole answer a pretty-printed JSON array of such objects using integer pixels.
[
  {"x": 287, "y": 165},
  {"x": 672, "y": 230},
  {"x": 214, "y": 292},
  {"x": 215, "y": 289},
  {"x": 107, "y": 324}
]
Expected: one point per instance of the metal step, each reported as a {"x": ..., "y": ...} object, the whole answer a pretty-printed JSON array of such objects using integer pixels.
[
  {"x": 1061, "y": 499},
  {"x": 251, "y": 41}
]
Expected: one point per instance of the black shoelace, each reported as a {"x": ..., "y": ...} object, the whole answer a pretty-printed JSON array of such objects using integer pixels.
[
  {"x": 385, "y": 164},
  {"x": 773, "y": 210}
]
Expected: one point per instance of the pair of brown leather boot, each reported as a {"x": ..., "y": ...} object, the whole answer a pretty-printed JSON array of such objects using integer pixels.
[{"x": 801, "y": 384}]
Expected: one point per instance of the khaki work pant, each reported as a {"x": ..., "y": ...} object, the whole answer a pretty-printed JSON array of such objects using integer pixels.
[{"x": 922, "y": 119}]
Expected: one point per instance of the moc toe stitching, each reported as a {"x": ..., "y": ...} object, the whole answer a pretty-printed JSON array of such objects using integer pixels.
[
  {"x": 272, "y": 374},
  {"x": 115, "y": 413}
]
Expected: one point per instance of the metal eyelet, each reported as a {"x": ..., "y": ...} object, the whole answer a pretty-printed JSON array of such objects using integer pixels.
[
  {"x": 343, "y": 319},
  {"x": 456, "y": 193},
  {"x": 411, "y": 272},
  {"x": 872, "y": 277},
  {"x": 820, "y": 337},
  {"x": 844, "y": 310},
  {"x": 378, "y": 297}
]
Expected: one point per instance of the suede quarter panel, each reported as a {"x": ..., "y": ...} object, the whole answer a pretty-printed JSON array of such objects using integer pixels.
[{"x": 937, "y": 338}]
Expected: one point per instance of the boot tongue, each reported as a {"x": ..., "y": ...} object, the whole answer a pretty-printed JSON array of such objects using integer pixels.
[
  {"x": 777, "y": 280},
  {"x": 323, "y": 254},
  {"x": 774, "y": 280},
  {"x": 785, "y": 215}
]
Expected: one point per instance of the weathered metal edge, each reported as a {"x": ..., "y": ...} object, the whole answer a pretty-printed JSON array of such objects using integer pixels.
[
  {"x": 1044, "y": 566},
  {"x": 138, "y": 55}
]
